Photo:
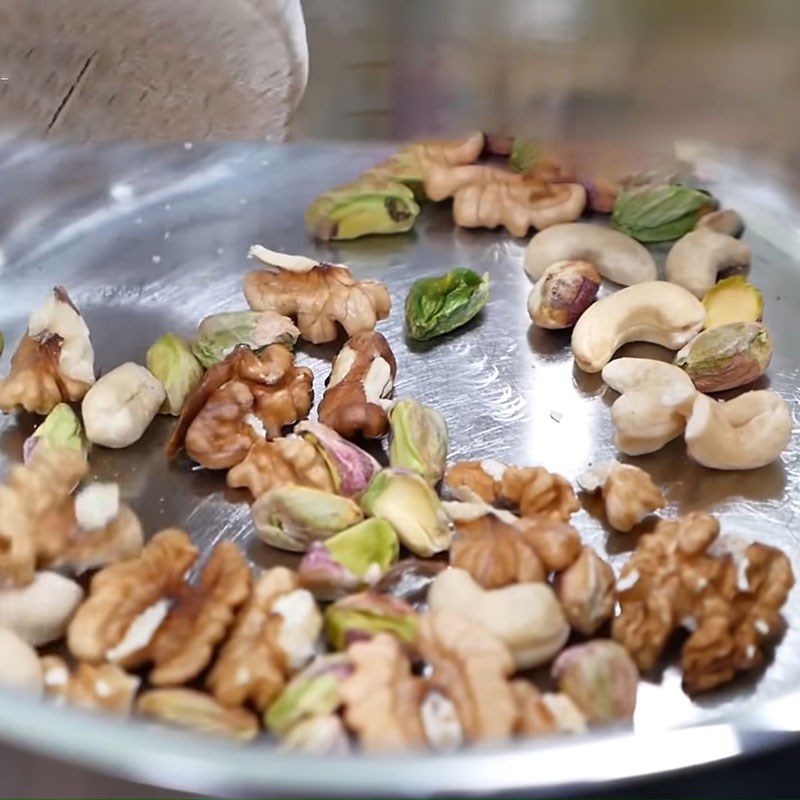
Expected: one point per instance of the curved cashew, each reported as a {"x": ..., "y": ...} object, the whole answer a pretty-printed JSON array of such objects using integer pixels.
[
  {"x": 745, "y": 433},
  {"x": 725, "y": 221},
  {"x": 19, "y": 664},
  {"x": 695, "y": 259},
  {"x": 39, "y": 613},
  {"x": 657, "y": 312},
  {"x": 616, "y": 256},
  {"x": 656, "y": 397}
]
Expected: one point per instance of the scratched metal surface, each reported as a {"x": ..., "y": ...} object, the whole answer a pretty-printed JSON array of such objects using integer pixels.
[{"x": 151, "y": 240}]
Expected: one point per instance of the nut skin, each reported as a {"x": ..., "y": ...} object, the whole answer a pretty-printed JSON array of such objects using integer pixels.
[
  {"x": 586, "y": 592},
  {"x": 600, "y": 678},
  {"x": 563, "y": 293},
  {"x": 727, "y": 356},
  {"x": 409, "y": 580}
]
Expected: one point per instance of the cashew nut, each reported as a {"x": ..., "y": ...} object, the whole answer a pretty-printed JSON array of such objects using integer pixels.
[
  {"x": 655, "y": 399},
  {"x": 120, "y": 406},
  {"x": 616, "y": 256},
  {"x": 40, "y": 611},
  {"x": 526, "y": 617},
  {"x": 19, "y": 664},
  {"x": 725, "y": 221},
  {"x": 747, "y": 432},
  {"x": 656, "y": 311},
  {"x": 695, "y": 259}
]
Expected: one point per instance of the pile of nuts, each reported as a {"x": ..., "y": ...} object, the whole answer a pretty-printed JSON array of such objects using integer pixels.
[{"x": 424, "y": 590}]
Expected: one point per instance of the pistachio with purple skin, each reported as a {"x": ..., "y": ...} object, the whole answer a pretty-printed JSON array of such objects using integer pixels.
[
  {"x": 354, "y": 466},
  {"x": 359, "y": 617},
  {"x": 349, "y": 560},
  {"x": 409, "y": 580},
  {"x": 727, "y": 356},
  {"x": 600, "y": 678},
  {"x": 565, "y": 290},
  {"x": 60, "y": 431}
]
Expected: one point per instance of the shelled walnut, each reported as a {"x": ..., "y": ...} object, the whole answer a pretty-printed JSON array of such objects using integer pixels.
[
  {"x": 95, "y": 687},
  {"x": 240, "y": 401},
  {"x": 682, "y": 575},
  {"x": 533, "y": 491}
]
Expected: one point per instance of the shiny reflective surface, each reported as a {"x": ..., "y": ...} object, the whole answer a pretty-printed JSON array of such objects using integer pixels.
[{"x": 151, "y": 240}]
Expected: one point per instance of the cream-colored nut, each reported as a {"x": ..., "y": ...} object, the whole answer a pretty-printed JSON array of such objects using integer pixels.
[
  {"x": 616, "y": 256},
  {"x": 19, "y": 664},
  {"x": 747, "y": 432},
  {"x": 657, "y": 312},
  {"x": 120, "y": 406},
  {"x": 40, "y": 611},
  {"x": 656, "y": 398},
  {"x": 526, "y": 617},
  {"x": 725, "y": 221},
  {"x": 696, "y": 258}
]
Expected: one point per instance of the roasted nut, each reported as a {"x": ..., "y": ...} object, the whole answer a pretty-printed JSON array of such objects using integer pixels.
[
  {"x": 39, "y": 612},
  {"x": 470, "y": 667},
  {"x": 318, "y": 735},
  {"x": 312, "y": 693},
  {"x": 128, "y": 602},
  {"x": 657, "y": 312},
  {"x": 600, "y": 678},
  {"x": 409, "y": 580},
  {"x": 119, "y": 407},
  {"x": 171, "y": 362},
  {"x": 526, "y": 617},
  {"x": 361, "y": 380},
  {"x": 748, "y": 432},
  {"x": 382, "y": 698},
  {"x": 60, "y": 431},
  {"x": 660, "y": 212},
  {"x": 695, "y": 260},
  {"x": 411, "y": 507},
  {"x": 349, "y": 560},
  {"x": 436, "y": 306},
  {"x": 656, "y": 400},
  {"x": 274, "y": 636},
  {"x": 102, "y": 687},
  {"x": 732, "y": 300},
  {"x": 565, "y": 290},
  {"x": 419, "y": 439},
  {"x": 615, "y": 256},
  {"x": 727, "y": 356},
  {"x": 54, "y": 361},
  {"x": 628, "y": 492},
  {"x": 19, "y": 664},
  {"x": 241, "y": 400},
  {"x": 725, "y": 221},
  {"x": 730, "y": 599},
  {"x": 586, "y": 592},
  {"x": 288, "y": 461},
  {"x": 198, "y": 712},
  {"x": 292, "y": 517},
  {"x": 533, "y": 491},
  {"x": 539, "y": 714},
  {"x": 220, "y": 334},
  {"x": 362, "y": 616},
  {"x": 316, "y": 295},
  {"x": 366, "y": 206},
  {"x": 352, "y": 467}
]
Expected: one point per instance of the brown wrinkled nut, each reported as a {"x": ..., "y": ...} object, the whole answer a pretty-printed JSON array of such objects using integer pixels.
[
  {"x": 472, "y": 668},
  {"x": 494, "y": 553},
  {"x": 556, "y": 543},
  {"x": 250, "y": 666},
  {"x": 103, "y": 687},
  {"x": 319, "y": 299},
  {"x": 362, "y": 375},
  {"x": 586, "y": 592},
  {"x": 676, "y": 576},
  {"x": 36, "y": 512},
  {"x": 197, "y": 711},
  {"x": 533, "y": 491},
  {"x": 534, "y": 718},
  {"x": 213, "y": 426},
  {"x": 381, "y": 697},
  {"x": 199, "y": 619},
  {"x": 121, "y": 592},
  {"x": 289, "y": 460}
]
